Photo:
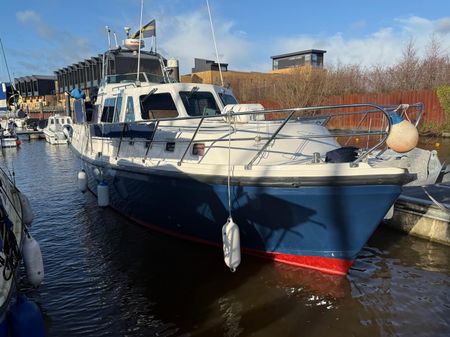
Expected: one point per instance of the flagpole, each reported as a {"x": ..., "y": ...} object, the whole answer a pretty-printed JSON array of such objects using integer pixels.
[{"x": 140, "y": 39}]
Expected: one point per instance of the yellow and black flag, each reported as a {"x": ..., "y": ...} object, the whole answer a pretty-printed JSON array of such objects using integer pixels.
[{"x": 148, "y": 30}]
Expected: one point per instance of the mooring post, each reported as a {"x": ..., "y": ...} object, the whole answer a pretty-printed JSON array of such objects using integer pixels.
[
  {"x": 67, "y": 103},
  {"x": 41, "y": 109}
]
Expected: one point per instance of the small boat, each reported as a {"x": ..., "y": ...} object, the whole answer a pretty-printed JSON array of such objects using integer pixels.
[
  {"x": 9, "y": 139},
  {"x": 19, "y": 316},
  {"x": 54, "y": 131}
]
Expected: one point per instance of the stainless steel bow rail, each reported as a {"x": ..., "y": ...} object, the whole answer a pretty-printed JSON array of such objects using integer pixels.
[{"x": 293, "y": 115}]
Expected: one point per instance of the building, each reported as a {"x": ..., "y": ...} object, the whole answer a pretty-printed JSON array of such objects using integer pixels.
[
  {"x": 87, "y": 74},
  {"x": 208, "y": 65},
  {"x": 35, "y": 85},
  {"x": 311, "y": 57}
]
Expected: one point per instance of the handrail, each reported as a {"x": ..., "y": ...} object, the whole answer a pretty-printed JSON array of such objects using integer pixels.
[
  {"x": 191, "y": 141},
  {"x": 150, "y": 142},
  {"x": 124, "y": 86},
  {"x": 249, "y": 165},
  {"x": 373, "y": 108},
  {"x": 125, "y": 126},
  {"x": 372, "y": 133}
]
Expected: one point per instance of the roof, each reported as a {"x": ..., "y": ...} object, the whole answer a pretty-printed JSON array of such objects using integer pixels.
[
  {"x": 35, "y": 77},
  {"x": 302, "y": 52}
]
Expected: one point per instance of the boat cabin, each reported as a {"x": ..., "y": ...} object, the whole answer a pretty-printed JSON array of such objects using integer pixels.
[
  {"x": 124, "y": 101},
  {"x": 57, "y": 121}
]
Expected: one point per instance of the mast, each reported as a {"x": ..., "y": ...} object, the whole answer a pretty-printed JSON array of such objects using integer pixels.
[{"x": 6, "y": 63}]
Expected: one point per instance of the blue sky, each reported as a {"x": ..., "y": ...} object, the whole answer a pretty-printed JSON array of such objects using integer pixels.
[{"x": 40, "y": 36}]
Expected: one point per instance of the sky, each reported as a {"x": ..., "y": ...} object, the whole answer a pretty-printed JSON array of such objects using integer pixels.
[{"x": 40, "y": 36}]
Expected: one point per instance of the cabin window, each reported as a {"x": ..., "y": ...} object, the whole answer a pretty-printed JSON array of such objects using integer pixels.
[
  {"x": 57, "y": 120},
  {"x": 129, "y": 110},
  {"x": 199, "y": 103},
  {"x": 52, "y": 121},
  {"x": 118, "y": 109},
  {"x": 227, "y": 98},
  {"x": 108, "y": 110},
  {"x": 156, "y": 106}
]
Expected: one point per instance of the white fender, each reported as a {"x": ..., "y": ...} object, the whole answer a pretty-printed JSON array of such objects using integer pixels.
[
  {"x": 103, "y": 194},
  {"x": 32, "y": 257},
  {"x": 82, "y": 181},
  {"x": 27, "y": 211},
  {"x": 231, "y": 244}
]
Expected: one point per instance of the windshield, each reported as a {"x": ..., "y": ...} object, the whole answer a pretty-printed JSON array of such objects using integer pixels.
[
  {"x": 199, "y": 103},
  {"x": 227, "y": 98}
]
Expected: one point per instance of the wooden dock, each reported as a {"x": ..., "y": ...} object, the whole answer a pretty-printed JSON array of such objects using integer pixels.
[
  {"x": 31, "y": 134},
  {"x": 424, "y": 211}
]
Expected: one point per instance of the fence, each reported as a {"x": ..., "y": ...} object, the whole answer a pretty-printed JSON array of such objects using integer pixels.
[{"x": 433, "y": 111}]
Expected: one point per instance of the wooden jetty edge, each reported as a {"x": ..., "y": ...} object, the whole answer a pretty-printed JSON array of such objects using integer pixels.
[
  {"x": 424, "y": 211},
  {"x": 31, "y": 134}
]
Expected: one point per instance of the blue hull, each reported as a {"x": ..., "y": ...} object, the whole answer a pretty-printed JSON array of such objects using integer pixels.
[{"x": 321, "y": 227}]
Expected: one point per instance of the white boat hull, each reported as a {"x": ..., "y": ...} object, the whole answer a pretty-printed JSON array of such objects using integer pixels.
[
  {"x": 54, "y": 139},
  {"x": 8, "y": 142}
]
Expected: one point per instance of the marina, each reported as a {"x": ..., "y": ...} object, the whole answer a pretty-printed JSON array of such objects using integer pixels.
[
  {"x": 108, "y": 276},
  {"x": 141, "y": 198}
]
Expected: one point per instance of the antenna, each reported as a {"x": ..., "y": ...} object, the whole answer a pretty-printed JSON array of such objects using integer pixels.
[
  {"x": 215, "y": 45},
  {"x": 104, "y": 67},
  {"x": 140, "y": 38},
  {"x": 109, "y": 37},
  {"x": 115, "y": 39}
]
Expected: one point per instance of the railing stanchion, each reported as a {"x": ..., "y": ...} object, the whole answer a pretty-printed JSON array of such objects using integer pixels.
[
  {"x": 249, "y": 165},
  {"x": 190, "y": 143},
  {"x": 150, "y": 141}
]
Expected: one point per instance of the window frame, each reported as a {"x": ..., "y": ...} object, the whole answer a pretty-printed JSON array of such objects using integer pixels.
[
  {"x": 159, "y": 106},
  {"x": 189, "y": 95},
  {"x": 107, "y": 107}
]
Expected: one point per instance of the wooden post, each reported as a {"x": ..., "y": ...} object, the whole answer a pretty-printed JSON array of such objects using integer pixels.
[
  {"x": 67, "y": 103},
  {"x": 41, "y": 109}
]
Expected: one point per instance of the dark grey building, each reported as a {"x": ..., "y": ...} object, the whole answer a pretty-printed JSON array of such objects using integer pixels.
[
  {"x": 88, "y": 73},
  {"x": 35, "y": 85},
  {"x": 311, "y": 57},
  {"x": 208, "y": 65}
]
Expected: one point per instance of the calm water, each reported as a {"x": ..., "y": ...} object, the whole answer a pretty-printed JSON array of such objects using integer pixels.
[{"x": 106, "y": 276}]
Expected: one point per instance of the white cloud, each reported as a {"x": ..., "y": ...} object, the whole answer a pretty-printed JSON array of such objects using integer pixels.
[
  {"x": 61, "y": 47},
  {"x": 189, "y": 36},
  {"x": 27, "y": 16},
  {"x": 383, "y": 47}
]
